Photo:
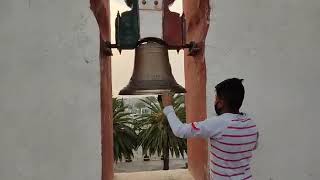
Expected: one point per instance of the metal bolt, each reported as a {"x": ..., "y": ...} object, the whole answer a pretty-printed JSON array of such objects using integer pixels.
[
  {"x": 144, "y": 2},
  {"x": 156, "y": 3}
]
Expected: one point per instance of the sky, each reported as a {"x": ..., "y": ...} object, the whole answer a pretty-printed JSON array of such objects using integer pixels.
[{"x": 122, "y": 65}]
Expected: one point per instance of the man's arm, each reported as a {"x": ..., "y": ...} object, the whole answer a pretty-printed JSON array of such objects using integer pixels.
[{"x": 204, "y": 129}]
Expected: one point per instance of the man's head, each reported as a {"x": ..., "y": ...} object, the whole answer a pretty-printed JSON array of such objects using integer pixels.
[{"x": 229, "y": 96}]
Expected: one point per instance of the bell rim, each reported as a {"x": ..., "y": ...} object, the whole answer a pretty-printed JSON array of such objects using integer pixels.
[{"x": 151, "y": 91}]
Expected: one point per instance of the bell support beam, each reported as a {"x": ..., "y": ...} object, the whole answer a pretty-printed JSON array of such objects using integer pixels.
[
  {"x": 101, "y": 11},
  {"x": 197, "y": 13},
  {"x": 193, "y": 48}
]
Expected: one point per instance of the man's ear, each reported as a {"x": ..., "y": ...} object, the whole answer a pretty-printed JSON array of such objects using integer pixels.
[{"x": 219, "y": 103}]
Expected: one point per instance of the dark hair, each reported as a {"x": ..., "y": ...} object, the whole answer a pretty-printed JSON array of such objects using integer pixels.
[{"x": 232, "y": 92}]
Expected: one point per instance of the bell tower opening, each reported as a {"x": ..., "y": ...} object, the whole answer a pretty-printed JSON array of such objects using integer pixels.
[
  {"x": 118, "y": 128},
  {"x": 136, "y": 110}
]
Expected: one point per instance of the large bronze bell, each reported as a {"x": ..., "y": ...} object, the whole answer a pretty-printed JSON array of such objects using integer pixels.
[{"x": 152, "y": 72}]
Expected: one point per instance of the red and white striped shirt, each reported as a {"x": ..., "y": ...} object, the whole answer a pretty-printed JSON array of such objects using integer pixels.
[{"x": 232, "y": 139}]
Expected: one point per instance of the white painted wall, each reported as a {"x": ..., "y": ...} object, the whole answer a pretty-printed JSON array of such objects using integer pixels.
[
  {"x": 275, "y": 46},
  {"x": 49, "y": 86},
  {"x": 49, "y": 91}
]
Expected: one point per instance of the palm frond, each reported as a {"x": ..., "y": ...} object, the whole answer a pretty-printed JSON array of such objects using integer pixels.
[
  {"x": 124, "y": 135},
  {"x": 155, "y": 131}
]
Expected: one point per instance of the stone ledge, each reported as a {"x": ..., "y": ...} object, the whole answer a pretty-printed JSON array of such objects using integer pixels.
[{"x": 179, "y": 174}]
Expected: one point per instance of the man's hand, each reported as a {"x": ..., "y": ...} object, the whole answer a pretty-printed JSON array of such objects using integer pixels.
[{"x": 167, "y": 100}]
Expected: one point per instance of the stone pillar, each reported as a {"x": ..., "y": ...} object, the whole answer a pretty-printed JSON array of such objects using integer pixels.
[
  {"x": 101, "y": 10},
  {"x": 197, "y": 17}
]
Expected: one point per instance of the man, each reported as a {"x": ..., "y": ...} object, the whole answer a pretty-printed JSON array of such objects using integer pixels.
[{"x": 232, "y": 135}]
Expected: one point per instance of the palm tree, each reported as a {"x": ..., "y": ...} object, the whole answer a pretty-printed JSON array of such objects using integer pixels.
[
  {"x": 124, "y": 136},
  {"x": 156, "y": 135}
]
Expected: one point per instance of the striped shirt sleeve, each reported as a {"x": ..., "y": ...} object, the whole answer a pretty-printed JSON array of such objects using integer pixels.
[{"x": 205, "y": 129}]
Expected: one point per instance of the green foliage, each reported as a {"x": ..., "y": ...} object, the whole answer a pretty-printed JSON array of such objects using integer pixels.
[
  {"x": 124, "y": 136},
  {"x": 155, "y": 134}
]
